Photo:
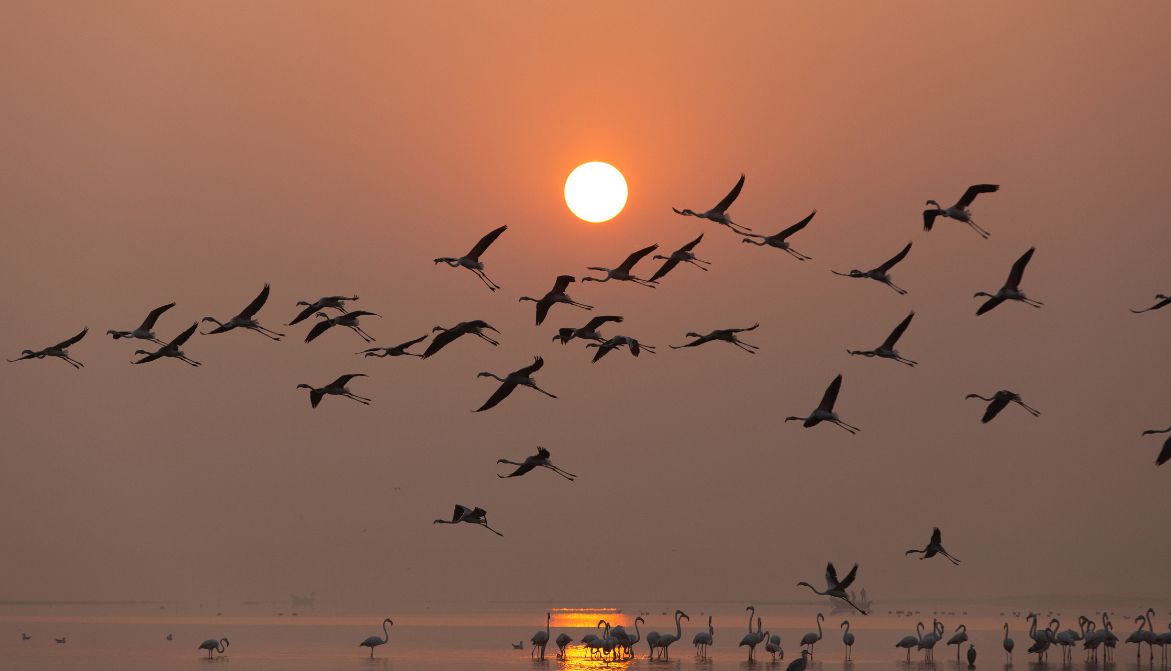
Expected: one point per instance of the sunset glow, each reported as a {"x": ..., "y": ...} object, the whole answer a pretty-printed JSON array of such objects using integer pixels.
[{"x": 595, "y": 192}]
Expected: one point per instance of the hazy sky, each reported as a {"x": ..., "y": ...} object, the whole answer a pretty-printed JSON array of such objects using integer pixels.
[{"x": 156, "y": 152}]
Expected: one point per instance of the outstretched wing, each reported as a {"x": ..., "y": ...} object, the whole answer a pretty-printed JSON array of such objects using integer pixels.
[
  {"x": 989, "y": 304},
  {"x": 484, "y": 243},
  {"x": 975, "y": 190},
  {"x": 542, "y": 453},
  {"x": 895, "y": 259},
  {"x": 443, "y": 340},
  {"x": 150, "y": 357},
  {"x": 345, "y": 379},
  {"x": 1000, "y": 402},
  {"x": 562, "y": 283},
  {"x": 636, "y": 257},
  {"x": 255, "y": 305},
  {"x": 593, "y": 324},
  {"x": 531, "y": 368},
  {"x": 691, "y": 245},
  {"x": 894, "y": 336},
  {"x": 849, "y": 580},
  {"x": 1018, "y": 269},
  {"x": 796, "y": 227},
  {"x": 182, "y": 337},
  {"x": 411, "y": 342},
  {"x": 72, "y": 341},
  {"x": 603, "y": 350},
  {"x": 831, "y": 394},
  {"x": 929, "y": 219},
  {"x": 459, "y": 513},
  {"x": 667, "y": 267},
  {"x": 149, "y": 322},
  {"x": 318, "y": 328},
  {"x": 521, "y": 470},
  {"x": 304, "y": 314},
  {"x": 1164, "y": 454},
  {"x": 831, "y": 575},
  {"x": 724, "y": 204},
  {"x": 936, "y": 537},
  {"x": 502, "y": 392}
]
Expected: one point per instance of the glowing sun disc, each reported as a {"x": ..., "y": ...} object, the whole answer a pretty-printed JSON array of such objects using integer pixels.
[{"x": 595, "y": 191}]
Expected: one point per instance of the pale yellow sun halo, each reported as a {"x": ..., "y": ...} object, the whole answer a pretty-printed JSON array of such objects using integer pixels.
[{"x": 595, "y": 191}]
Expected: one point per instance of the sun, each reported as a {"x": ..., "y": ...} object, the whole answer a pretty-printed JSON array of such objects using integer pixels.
[{"x": 595, "y": 191}]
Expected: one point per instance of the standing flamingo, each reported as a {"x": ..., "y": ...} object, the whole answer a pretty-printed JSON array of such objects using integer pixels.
[
  {"x": 373, "y": 641},
  {"x": 1008, "y": 644},
  {"x": 703, "y": 639},
  {"x": 541, "y": 638},
  {"x": 959, "y": 638},
  {"x": 563, "y": 641},
  {"x": 908, "y": 642},
  {"x": 847, "y": 638},
  {"x": 212, "y": 645},
  {"x": 752, "y": 638},
  {"x": 810, "y": 639},
  {"x": 773, "y": 647},
  {"x": 665, "y": 640}
]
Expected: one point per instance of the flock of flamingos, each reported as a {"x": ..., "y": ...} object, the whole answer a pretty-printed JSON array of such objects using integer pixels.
[{"x": 616, "y": 641}]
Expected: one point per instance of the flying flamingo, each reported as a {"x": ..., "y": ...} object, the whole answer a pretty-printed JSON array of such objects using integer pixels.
[
  {"x": 171, "y": 349},
  {"x": 397, "y": 350},
  {"x": 349, "y": 320},
  {"x": 212, "y": 645},
  {"x": 509, "y": 382},
  {"x": 825, "y": 411},
  {"x": 752, "y": 638},
  {"x": 587, "y": 332},
  {"x": 703, "y": 639},
  {"x": 881, "y": 273},
  {"x": 682, "y": 255},
  {"x": 887, "y": 349},
  {"x": 960, "y": 211},
  {"x": 146, "y": 330},
  {"x": 622, "y": 272},
  {"x": 60, "y": 350},
  {"x": 246, "y": 319},
  {"x": 334, "y": 302},
  {"x": 1165, "y": 453},
  {"x": 541, "y": 638},
  {"x": 908, "y": 642},
  {"x": 472, "y": 261},
  {"x": 836, "y": 588},
  {"x": 1161, "y": 301},
  {"x": 936, "y": 547},
  {"x": 810, "y": 639},
  {"x": 1011, "y": 290},
  {"x": 847, "y": 638},
  {"x": 475, "y": 327},
  {"x": 618, "y": 341},
  {"x": 999, "y": 401},
  {"x": 958, "y": 639},
  {"x": 780, "y": 240},
  {"x": 556, "y": 295},
  {"x": 373, "y": 641},
  {"x": 726, "y": 335},
  {"x": 471, "y": 516},
  {"x": 539, "y": 460},
  {"x": 719, "y": 213},
  {"x": 336, "y": 388}
]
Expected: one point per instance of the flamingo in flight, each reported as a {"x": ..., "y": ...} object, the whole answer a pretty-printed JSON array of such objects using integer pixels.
[
  {"x": 881, "y": 273},
  {"x": 523, "y": 376},
  {"x": 587, "y": 332},
  {"x": 684, "y": 254},
  {"x": 146, "y": 330},
  {"x": 556, "y": 295},
  {"x": 1161, "y": 301},
  {"x": 336, "y": 388},
  {"x": 999, "y": 401},
  {"x": 472, "y": 261},
  {"x": 246, "y": 319},
  {"x": 959, "y": 211},
  {"x": 835, "y": 587},
  {"x": 618, "y": 341},
  {"x": 335, "y": 302},
  {"x": 1165, "y": 453},
  {"x": 825, "y": 411},
  {"x": 1011, "y": 290},
  {"x": 475, "y": 327},
  {"x": 933, "y": 548},
  {"x": 349, "y": 320},
  {"x": 171, "y": 349},
  {"x": 726, "y": 335},
  {"x": 373, "y": 641},
  {"x": 211, "y": 645},
  {"x": 719, "y": 213},
  {"x": 538, "y": 460},
  {"x": 471, "y": 516},
  {"x": 397, "y": 350},
  {"x": 780, "y": 240},
  {"x": 623, "y": 271},
  {"x": 60, "y": 350},
  {"x": 887, "y": 349}
]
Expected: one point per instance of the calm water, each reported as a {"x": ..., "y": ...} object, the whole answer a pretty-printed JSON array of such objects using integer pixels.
[{"x": 136, "y": 640}]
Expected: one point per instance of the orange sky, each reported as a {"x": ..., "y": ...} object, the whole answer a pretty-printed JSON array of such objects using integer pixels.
[{"x": 192, "y": 152}]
